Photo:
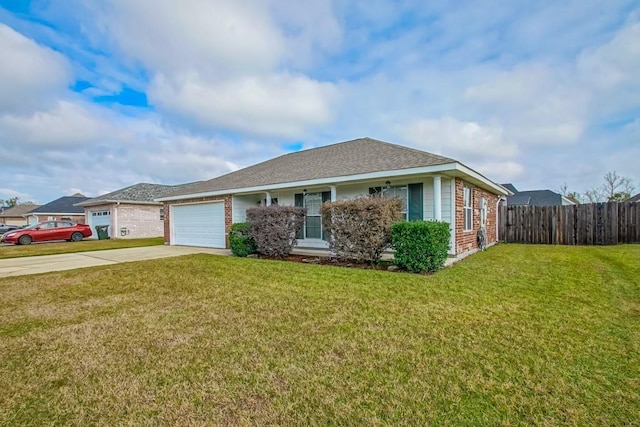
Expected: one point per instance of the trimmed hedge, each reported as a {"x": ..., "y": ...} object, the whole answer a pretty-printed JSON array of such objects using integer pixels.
[
  {"x": 421, "y": 245},
  {"x": 360, "y": 229},
  {"x": 274, "y": 228},
  {"x": 240, "y": 240}
]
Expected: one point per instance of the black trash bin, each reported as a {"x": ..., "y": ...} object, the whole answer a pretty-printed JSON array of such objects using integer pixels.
[{"x": 103, "y": 232}]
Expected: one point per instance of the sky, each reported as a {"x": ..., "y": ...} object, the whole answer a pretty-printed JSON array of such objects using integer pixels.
[{"x": 96, "y": 96}]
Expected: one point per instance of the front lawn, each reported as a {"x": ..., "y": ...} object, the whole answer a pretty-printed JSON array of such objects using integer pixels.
[
  {"x": 15, "y": 251},
  {"x": 516, "y": 335}
]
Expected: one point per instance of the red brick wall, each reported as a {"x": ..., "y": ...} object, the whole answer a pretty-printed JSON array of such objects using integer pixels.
[
  {"x": 467, "y": 240},
  {"x": 227, "y": 214}
]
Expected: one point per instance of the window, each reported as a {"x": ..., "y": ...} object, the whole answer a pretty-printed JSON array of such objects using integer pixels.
[
  {"x": 483, "y": 212},
  {"x": 410, "y": 195},
  {"x": 468, "y": 208},
  {"x": 313, "y": 220},
  {"x": 61, "y": 224},
  {"x": 399, "y": 193},
  {"x": 161, "y": 214},
  {"x": 313, "y": 229}
]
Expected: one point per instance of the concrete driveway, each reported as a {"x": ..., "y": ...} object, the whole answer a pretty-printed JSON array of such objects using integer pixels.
[{"x": 46, "y": 263}]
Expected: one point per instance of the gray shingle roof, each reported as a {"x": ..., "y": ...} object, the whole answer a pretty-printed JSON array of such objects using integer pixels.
[
  {"x": 510, "y": 187},
  {"x": 634, "y": 199},
  {"x": 535, "y": 198},
  {"x": 137, "y": 193},
  {"x": 63, "y": 205},
  {"x": 17, "y": 210},
  {"x": 364, "y": 155}
]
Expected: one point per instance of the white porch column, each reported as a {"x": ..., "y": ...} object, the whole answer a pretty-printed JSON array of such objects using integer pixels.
[
  {"x": 268, "y": 198},
  {"x": 334, "y": 193},
  {"x": 437, "y": 198}
]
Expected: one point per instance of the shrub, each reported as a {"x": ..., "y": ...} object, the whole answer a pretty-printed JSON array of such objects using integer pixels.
[
  {"x": 274, "y": 228},
  {"x": 421, "y": 245},
  {"x": 360, "y": 229},
  {"x": 240, "y": 240}
]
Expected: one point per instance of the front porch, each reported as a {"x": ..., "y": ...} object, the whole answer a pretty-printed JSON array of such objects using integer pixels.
[{"x": 425, "y": 197}]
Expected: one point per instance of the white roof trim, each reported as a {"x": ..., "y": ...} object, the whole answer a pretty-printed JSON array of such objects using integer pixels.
[
  {"x": 468, "y": 171},
  {"x": 345, "y": 178}
]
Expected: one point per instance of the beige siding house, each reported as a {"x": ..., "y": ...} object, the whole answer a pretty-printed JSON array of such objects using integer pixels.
[{"x": 16, "y": 215}]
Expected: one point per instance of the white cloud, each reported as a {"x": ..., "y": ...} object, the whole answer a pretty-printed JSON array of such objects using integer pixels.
[
  {"x": 281, "y": 104},
  {"x": 217, "y": 37},
  {"x": 502, "y": 171},
  {"x": 464, "y": 141},
  {"x": 483, "y": 148},
  {"x": 537, "y": 105},
  {"x": 65, "y": 125},
  {"x": 30, "y": 75},
  {"x": 230, "y": 65},
  {"x": 611, "y": 70}
]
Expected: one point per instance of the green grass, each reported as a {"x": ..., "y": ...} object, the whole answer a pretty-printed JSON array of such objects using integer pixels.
[
  {"x": 516, "y": 335},
  {"x": 16, "y": 251}
]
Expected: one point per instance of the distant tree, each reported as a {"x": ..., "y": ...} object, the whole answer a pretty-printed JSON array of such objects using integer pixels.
[
  {"x": 571, "y": 195},
  {"x": 574, "y": 197},
  {"x": 615, "y": 188},
  {"x": 594, "y": 195},
  {"x": 11, "y": 202}
]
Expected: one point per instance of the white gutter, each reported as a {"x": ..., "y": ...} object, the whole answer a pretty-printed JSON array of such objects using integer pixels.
[
  {"x": 475, "y": 175},
  {"x": 345, "y": 178},
  {"x": 108, "y": 202}
]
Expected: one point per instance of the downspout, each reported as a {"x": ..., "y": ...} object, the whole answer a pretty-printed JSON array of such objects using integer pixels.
[{"x": 114, "y": 232}]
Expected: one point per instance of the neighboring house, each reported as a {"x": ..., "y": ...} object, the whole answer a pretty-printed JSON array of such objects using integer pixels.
[
  {"x": 633, "y": 199},
  {"x": 130, "y": 212},
  {"x": 16, "y": 214},
  {"x": 535, "y": 197},
  {"x": 432, "y": 187},
  {"x": 60, "y": 209}
]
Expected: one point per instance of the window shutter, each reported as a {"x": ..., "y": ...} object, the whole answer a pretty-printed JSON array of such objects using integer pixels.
[
  {"x": 299, "y": 201},
  {"x": 326, "y": 197},
  {"x": 415, "y": 212}
]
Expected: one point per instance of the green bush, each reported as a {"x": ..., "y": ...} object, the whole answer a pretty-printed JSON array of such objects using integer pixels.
[
  {"x": 360, "y": 229},
  {"x": 240, "y": 240},
  {"x": 420, "y": 245}
]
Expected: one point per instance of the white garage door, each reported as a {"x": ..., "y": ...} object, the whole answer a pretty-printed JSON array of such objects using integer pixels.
[
  {"x": 198, "y": 225},
  {"x": 99, "y": 217}
]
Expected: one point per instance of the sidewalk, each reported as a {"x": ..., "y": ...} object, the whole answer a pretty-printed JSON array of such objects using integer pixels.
[{"x": 47, "y": 263}]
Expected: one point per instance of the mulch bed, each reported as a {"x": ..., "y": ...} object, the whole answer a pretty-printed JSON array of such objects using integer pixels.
[{"x": 306, "y": 259}]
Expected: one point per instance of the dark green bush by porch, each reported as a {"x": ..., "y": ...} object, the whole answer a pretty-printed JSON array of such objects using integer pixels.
[
  {"x": 240, "y": 240},
  {"x": 420, "y": 245}
]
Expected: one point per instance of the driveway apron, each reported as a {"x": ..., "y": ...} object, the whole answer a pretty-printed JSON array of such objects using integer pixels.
[{"x": 47, "y": 263}]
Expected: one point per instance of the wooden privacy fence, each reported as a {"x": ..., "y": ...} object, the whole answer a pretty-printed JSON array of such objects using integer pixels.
[{"x": 590, "y": 224}]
